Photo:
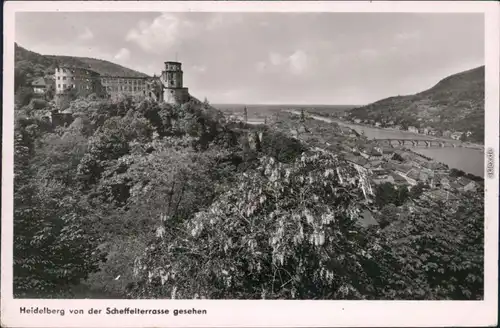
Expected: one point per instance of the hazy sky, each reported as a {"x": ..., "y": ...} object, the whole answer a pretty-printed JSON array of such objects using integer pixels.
[{"x": 294, "y": 58}]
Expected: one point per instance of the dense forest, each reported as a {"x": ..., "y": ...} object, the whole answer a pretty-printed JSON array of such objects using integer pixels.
[
  {"x": 144, "y": 200},
  {"x": 136, "y": 199}
]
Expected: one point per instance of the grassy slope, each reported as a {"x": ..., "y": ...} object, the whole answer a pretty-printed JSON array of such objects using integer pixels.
[{"x": 455, "y": 103}]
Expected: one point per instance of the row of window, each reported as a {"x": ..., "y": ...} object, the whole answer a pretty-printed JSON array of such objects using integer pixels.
[
  {"x": 125, "y": 88},
  {"x": 72, "y": 78},
  {"x": 64, "y": 86},
  {"x": 123, "y": 81},
  {"x": 71, "y": 70}
]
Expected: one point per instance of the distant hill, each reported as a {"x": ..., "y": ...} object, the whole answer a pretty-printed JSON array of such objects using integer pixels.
[
  {"x": 30, "y": 65},
  {"x": 456, "y": 103}
]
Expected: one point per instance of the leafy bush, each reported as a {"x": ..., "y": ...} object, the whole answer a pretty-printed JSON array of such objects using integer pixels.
[
  {"x": 387, "y": 193},
  {"x": 37, "y": 104},
  {"x": 278, "y": 145},
  {"x": 284, "y": 231},
  {"x": 434, "y": 253},
  {"x": 23, "y": 96},
  {"x": 53, "y": 248}
]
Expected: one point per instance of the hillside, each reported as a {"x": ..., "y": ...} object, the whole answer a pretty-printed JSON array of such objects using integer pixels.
[
  {"x": 102, "y": 67},
  {"x": 30, "y": 65},
  {"x": 456, "y": 103}
]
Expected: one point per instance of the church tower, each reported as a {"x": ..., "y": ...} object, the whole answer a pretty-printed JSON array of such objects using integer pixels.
[{"x": 172, "y": 80}]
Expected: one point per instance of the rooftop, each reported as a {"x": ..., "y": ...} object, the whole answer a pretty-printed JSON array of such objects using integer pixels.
[{"x": 40, "y": 82}]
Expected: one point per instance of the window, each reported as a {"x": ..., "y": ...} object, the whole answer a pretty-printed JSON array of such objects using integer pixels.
[
  {"x": 58, "y": 77},
  {"x": 64, "y": 77},
  {"x": 64, "y": 86},
  {"x": 59, "y": 86},
  {"x": 73, "y": 86}
]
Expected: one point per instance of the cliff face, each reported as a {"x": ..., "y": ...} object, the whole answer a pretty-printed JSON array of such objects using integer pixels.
[{"x": 456, "y": 103}]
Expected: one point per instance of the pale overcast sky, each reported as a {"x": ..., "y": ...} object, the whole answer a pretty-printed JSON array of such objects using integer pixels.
[{"x": 287, "y": 58}]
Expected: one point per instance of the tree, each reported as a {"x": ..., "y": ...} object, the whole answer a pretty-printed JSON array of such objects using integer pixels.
[
  {"x": 58, "y": 157},
  {"x": 164, "y": 182},
  {"x": 50, "y": 92},
  {"x": 387, "y": 193},
  {"x": 284, "y": 231},
  {"x": 388, "y": 214},
  {"x": 24, "y": 96},
  {"x": 417, "y": 190},
  {"x": 434, "y": 252},
  {"x": 53, "y": 247},
  {"x": 38, "y": 104},
  {"x": 280, "y": 146},
  {"x": 110, "y": 143}
]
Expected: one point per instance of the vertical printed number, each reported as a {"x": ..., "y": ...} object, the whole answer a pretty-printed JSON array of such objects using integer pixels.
[{"x": 490, "y": 166}]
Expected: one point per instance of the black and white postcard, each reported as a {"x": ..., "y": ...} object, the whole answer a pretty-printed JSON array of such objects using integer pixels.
[{"x": 250, "y": 164}]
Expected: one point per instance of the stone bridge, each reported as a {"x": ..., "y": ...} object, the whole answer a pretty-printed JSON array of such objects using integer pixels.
[{"x": 417, "y": 143}]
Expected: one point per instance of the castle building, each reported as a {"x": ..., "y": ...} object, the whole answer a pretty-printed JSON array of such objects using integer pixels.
[
  {"x": 166, "y": 88},
  {"x": 132, "y": 86},
  {"x": 172, "y": 80},
  {"x": 85, "y": 81}
]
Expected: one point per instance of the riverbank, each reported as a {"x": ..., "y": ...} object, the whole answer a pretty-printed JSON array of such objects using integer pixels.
[
  {"x": 395, "y": 133},
  {"x": 467, "y": 157}
]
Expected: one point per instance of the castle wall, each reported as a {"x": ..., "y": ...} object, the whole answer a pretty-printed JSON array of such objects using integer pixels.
[
  {"x": 62, "y": 100},
  {"x": 115, "y": 86},
  {"x": 83, "y": 80},
  {"x": 175, "y": 96}
]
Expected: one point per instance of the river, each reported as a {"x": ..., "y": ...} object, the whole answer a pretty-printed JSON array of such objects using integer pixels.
[{"x": 466, "y": 159}]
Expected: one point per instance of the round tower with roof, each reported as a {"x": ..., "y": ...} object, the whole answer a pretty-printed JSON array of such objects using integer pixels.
[{"x": 172, "y": 80}]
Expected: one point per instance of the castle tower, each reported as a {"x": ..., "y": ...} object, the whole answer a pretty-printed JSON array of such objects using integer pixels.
[{"x": 172, "y": 80}]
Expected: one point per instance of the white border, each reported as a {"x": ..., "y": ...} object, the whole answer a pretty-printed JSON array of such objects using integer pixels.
[{"x": 263, "y": 313}]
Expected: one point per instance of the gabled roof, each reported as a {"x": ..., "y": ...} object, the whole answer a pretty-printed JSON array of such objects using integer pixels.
[
  {"x": 398, "y": 178},
  {"x": 463, "y": 181},
  {"x": 414, "y": 174},
  {"x": 366, "y": 219},
  {"x": 40, "y": 82},
  {"x": 359, "y": 160}
]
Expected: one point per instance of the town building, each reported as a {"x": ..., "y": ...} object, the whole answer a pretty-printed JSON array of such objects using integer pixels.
[
  {"x": 456, "y": 135},
  {"x": 39, "y": 86},
  {"x": 446, "y": 134},
  {"x": 413, "y": 129}
]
